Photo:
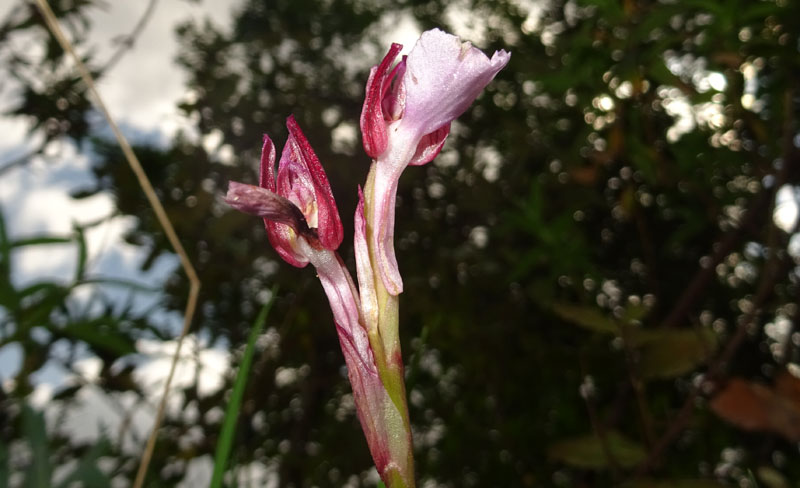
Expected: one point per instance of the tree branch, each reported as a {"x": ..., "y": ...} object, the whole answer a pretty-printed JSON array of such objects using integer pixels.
[
  {"x": 127, "y": 42},
  {"x": 20, "y": 160}
]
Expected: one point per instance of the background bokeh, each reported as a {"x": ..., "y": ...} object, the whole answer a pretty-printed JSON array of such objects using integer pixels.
[{"x": 600, "y": 267}]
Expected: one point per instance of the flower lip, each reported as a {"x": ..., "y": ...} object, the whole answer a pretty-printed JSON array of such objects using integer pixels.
[
  {"x": 443, "y": 77},
  {"x": 283, "y": 220},
  {"x": 268, "y": 205}
]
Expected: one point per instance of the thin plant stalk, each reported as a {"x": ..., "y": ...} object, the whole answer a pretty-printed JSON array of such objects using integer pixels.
[{"x": 227, "y": 435}]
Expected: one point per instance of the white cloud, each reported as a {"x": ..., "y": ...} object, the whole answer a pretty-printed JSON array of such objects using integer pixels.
[
  {"x": 143, "y": 88},
  {"x": 122, "y": 416},
  {"x": 197, "y": 362}
]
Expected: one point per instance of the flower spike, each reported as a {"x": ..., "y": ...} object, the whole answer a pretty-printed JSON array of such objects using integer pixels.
[
  {"x": 405, "y": 120},
  {"x": 303, "y": 225}
]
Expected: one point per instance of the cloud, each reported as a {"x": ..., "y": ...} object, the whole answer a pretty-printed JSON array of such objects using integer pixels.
[
  {"x": 123, "y": 417},
  {"x": 144, "y": 87}
]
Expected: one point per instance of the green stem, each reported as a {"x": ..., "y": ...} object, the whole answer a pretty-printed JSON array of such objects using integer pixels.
[
  {"x": 386, "y": 340},
  {"x": 394, "y": 479}
]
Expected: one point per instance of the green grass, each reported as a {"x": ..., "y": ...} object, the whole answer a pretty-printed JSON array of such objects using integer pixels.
[{"x": 227, "y": 435}]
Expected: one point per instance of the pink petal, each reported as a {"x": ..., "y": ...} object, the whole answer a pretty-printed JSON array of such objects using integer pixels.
[
  {"x": 443, "y": 77},
  {"x": 373, "y": 125},
  {"x": 430, "y": 145},
  {"x": 267, "y": 174},
  {"x": 263, "y": 203},
  {"x": 329, "y": 225},
  {"x": 281, "y": 237},
  {"x": 295, "y": 183},
  {"x": 394, "y": 98}
]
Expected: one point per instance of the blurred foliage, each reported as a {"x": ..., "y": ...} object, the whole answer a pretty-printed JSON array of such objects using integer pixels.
[
  {"x": 49, "y": 326},
  {"x": 40, "y": 469},
  {"x": 590, "y": 259}
]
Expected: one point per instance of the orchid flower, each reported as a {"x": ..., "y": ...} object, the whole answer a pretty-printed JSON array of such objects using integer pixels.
[
  {"x": 303, "y": 226},
  {"x": 406, "y": 118},
  {"x": 296, "y": 206}
]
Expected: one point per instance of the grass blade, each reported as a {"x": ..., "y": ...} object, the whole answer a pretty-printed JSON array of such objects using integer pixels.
[
  {"x": 83, "y": 253},
  {"x": 40, "y": 241},
  {"x": 226, "y": 437},
  {"x": 39, "y": 471}
]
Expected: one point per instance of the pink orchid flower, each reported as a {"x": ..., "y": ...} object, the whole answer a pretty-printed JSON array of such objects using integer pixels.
[
  {"x": 406, "y": 118},
  {"x": 303, "y": 226},
  {"x": 296, "y": 206}
]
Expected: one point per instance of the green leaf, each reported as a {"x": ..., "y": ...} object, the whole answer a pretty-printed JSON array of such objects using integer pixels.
[
  {"x": 83, "y": 253},
  {"x": 589, "y": 318},
  {"x": 5, "y": 251},
  {"x": 760, "y": 10},
  {"x": 133, "y": 285},
  {"x": 45, "y": 297},
  {"x": 33, "y": 427},
  {"x": 101, "y": 334},
  {"x": 668, "y": 353},
  {"x": 40, "y": 287},
  {"x": 227, "y": 435},
  {"x": 87, "y": 474},
  {"x": 40, "y": 241},
  {"x": 587, "y": 452},
  {"x": 8, "y": 295}
]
